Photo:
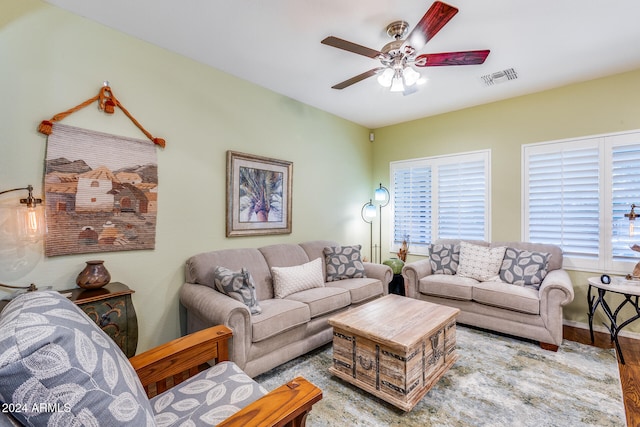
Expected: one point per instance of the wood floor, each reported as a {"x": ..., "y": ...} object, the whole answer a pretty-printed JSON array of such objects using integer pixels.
[{"x": 629, "y": 372}]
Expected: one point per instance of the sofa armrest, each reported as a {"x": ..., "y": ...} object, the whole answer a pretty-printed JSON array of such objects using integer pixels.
[
  {"x": 382, "y": 272},
  {"x": 557, "y": 286},
  {"x": 288, "y": 405},
  {"x": 215, "y": 308},
  {"x": 555, "y": 292},
  {"x": 181, "y": 356},
  {"x": 412, "y": 273}
]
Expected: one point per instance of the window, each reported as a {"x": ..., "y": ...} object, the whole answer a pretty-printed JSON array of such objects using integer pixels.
[
  {"x": 575, "y": 195},
  {"x": 440, "y": 198}
]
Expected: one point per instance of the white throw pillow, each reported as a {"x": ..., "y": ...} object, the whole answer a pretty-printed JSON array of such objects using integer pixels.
[
  {"x": 480, "y": 262},
  {"x": 289, "y": 280}
]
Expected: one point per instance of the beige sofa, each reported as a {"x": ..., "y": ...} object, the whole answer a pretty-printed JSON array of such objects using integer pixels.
[
  {"x": 287, "y": 327},
  {"x": 521, "y": 311}
]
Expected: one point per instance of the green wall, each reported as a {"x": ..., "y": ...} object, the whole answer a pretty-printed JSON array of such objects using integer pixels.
[
  {"x": 52, "y": 60},
  {"x": 598, "y": 106}
]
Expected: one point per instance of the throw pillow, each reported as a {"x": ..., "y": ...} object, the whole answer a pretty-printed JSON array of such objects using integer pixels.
[
  {"x": 239, "y": 285},
  {"x": 444, "y": 258},
  {"x": 61, "y": 369},
  {"x": 343, "y": 262},
  {"x": 480, "y": 262},
  {"x": 524, "y": 268},
  {"x": 289, "y": 280}
]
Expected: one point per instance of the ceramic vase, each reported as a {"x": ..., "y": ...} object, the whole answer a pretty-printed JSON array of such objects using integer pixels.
[{"x": 94, "y": 275}]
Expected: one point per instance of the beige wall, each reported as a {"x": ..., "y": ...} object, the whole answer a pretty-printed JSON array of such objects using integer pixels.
[
  {"x": 594, "y": 107},
  {"x": 51, "y": 60}
]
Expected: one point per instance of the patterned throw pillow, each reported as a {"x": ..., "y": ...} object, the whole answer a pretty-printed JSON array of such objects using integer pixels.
[
  {"x": 343, "y": 262},
  {"x": 238, "y": 285},
  {"x": 289, "y": 280},
  {"x": 524, "y": 268},
  {"x": 61, "y": 369},
  {"x": 444, "y": 258},
  {"x": 480, "y": 262}
]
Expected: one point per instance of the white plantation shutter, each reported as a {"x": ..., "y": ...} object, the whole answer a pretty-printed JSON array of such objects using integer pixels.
[
  {"x": 625, "y": 179},
  {"x": 575, "y": 195},
  {"x": 462, "y": 200},
  {"x": 564, "y": 200},
  {"x": 412, "y": 206},
  {"x": 440, "y": 197}
]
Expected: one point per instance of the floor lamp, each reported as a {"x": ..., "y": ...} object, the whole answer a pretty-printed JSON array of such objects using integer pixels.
[
  {"x": 368, "y": 213},
  {"x": 381, "y": 195}
]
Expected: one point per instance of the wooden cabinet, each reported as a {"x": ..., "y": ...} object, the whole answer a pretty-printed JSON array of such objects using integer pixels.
[{"x": 112, "y": 309}]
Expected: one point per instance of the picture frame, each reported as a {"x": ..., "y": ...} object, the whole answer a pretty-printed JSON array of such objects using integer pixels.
[{"x": 258, "y": 195}]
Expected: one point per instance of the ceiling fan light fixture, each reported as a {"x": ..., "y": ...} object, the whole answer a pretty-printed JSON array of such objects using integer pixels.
[
  {"x": 386, "y": 77},
  {"x": 396, "y": 83},
  {"x": 411, "y": 76}
]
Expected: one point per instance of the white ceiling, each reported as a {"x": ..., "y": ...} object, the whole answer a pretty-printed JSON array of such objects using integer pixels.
[{"x": 276, "y": 44}]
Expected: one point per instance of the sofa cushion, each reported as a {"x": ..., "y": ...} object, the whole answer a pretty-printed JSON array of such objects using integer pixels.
[
  {"x": 288, "y": 280},
  {"x": 284, "y": 255},
  {"x": 447, "y": 286},
  {"x": 343, "y": 262},
  {"x": 323, "y": 300},
  {"x": 238, "y": 285},
  {"x": 207, "y": 398},
  {"x": 199, "y": 268},
  {"x": 507, "y": 296},
  {"x": 480, "y": 262},
  {"x": 52, "y": 354},
  {"x": 360, "y": 289},
  {"x": 556, "y": 259},
  {"x": 444, "y": 258},
  {"x": 524, "y": 268},
  {"x": 278, "y": 316}
]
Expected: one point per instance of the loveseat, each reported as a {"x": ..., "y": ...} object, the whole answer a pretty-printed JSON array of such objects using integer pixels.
[
  {"x": 516, "y": 288},
  {"x": 277, "y": 299}
]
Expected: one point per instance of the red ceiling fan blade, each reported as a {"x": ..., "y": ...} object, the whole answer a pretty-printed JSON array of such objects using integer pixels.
[
  {"x": 357, "y": 78},
  {"x": 472, "y": 57},
  {"x": 350, "y": 47},
  {"x": 436, "y": 17}
]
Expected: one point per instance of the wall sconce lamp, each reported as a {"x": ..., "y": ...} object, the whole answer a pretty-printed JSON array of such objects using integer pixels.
[
  {"x": 381, "y": 195},
  {"x": 31, "y": 224},
  {"x": 368, "y": 213},
  {"x": 632, "y": 219}
]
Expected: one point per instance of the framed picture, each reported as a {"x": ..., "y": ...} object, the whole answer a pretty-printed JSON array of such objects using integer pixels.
[{"x": 258, "y": 195}]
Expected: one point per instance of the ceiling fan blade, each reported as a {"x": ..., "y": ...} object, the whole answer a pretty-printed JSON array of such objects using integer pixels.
[
  {"x": 350, "y": 47},
  {"x": 471, "y": 57},
  {"x": 357, "y": 78},
  {"x": 436, "y": 17}
]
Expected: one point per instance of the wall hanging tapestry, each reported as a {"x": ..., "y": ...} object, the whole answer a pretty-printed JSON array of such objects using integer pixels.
[
  {"x": 101, "y": 190},
  {"x": 258, "y": 195}
]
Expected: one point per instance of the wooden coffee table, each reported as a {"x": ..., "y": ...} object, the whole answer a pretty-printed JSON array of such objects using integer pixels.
[{"x": 395, "y": 347}]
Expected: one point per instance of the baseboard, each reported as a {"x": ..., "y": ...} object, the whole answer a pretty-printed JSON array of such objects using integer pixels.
[{"x": 600, "y": 328}]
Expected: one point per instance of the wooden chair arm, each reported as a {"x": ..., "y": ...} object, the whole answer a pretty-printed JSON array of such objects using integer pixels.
[
  {"x": 182, "y": 354},
  {"x": 288, "y": 405}
]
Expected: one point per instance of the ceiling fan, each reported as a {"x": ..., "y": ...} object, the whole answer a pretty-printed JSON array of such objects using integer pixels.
[{"x": 398, "y": 56}]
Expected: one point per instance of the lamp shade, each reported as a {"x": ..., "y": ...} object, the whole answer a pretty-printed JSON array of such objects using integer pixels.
[
  {"x": 31, "y": 223},
  {"x": 370, "y": 211}
]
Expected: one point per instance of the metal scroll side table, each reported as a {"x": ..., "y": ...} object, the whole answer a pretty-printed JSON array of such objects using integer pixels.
[{"x": 629, "y": 289}]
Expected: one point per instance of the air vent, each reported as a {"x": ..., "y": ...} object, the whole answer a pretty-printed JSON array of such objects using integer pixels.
[{"x": 499, "y": 77}]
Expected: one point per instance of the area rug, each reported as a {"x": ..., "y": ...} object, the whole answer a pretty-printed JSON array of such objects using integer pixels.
[{"x": 497, "y": 381}]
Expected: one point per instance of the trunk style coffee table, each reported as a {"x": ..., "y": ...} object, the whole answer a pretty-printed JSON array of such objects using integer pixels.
[{"x": 395, "y": 348}]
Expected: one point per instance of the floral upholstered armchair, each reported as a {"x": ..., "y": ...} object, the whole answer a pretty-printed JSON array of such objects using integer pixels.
[{"x": 58, "y": 368}]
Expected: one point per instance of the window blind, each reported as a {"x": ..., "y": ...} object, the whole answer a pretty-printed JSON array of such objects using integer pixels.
[
  {"x": 462, "y": 200},
  {"x": 412, "y": 206},
  {"x": 625, "y": 178},
  {"x": 563, "y": 196},
  {"x": 440, "y": 197}
]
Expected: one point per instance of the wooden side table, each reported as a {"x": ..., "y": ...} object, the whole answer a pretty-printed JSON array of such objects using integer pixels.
[{"x": 112, "y": 309}]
